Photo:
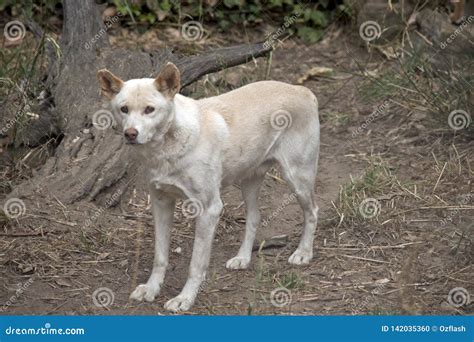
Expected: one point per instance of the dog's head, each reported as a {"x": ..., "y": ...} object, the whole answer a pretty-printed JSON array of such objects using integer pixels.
[{"x": 144, "y": 105}]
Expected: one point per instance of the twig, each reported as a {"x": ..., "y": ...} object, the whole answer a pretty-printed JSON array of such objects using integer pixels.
[
  {"x": 276, "y": 178},
  {"x": 449, "y": 207},
  {"x": 439, "y": 177},
  {"x": 403, "y": 245},
  {"x": 365, "y": 259},
  {"x": 24, "y": 234},
  {"x": 360, "y": 258},
  {"x": 70, "y": 224}
]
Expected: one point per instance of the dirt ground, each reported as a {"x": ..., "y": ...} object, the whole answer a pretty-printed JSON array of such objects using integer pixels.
[{"x": 405, "y": 260}]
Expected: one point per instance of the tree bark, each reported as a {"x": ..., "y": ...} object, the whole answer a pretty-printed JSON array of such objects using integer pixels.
[{"x": 89, "y": 161}]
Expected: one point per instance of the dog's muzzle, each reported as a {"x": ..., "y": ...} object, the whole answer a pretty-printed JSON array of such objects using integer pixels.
[{"x": 131, "y": 135}]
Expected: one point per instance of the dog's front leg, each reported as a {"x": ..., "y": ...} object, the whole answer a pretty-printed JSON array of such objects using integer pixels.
[
  {"x": 205, "y": 228},
  {"x": 162, "y": 208}
]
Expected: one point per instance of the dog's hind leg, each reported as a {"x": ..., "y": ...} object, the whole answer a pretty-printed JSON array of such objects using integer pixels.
[
  {"x": 250, "y": 190},
  {"x": 303, "y": 184},
  {"x": 162, "y": 209},
  {"x": 300, "y": 173}
]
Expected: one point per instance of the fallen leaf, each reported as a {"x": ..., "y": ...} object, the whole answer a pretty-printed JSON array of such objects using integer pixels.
[
  {"x": 63, "y": 282},
  {"x": 103, "y": 256},
  {"x": 315, "y": 72},
  {"x": 382, "y": 281},
  {"x": 233, "y": 78}
]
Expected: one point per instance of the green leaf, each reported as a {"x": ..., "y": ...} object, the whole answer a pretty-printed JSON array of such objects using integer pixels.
[
  {"x": 234, "y": 17},
  {"x": 165, "y": 5},
  {"x": 318, "y": 18},
  {"x": 309, "y": 34},
  {"x": 254, "y": 9},
  {"x": 232, "y": 3},
  {"x": 275, "y": 3},
  {"x": 307, "y": 14},
  {"x": 153, "y": 5},
  {"x": 324, "y": 3},
  {"x": 225, "y": 24}
]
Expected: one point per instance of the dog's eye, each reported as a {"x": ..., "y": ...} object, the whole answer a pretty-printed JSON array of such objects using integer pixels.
[
  {"x": 124, "y": 109},
  {"x": 149, "y": 109}
]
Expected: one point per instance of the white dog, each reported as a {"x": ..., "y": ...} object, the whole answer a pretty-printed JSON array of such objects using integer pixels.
[{"x": 194, "y": 148}]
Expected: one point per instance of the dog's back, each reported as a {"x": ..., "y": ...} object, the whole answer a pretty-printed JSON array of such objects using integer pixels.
[
  {"x": 243, "y": 106},
  {"x": 266, "y": 120}
]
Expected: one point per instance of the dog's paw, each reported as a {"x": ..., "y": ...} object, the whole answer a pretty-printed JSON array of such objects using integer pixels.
[
  {"x": 300, "y": 257},
  {"x": 237, "y": 263},
  {"x": 144, "y": 292},
  {"x": 178, "y": 304}
]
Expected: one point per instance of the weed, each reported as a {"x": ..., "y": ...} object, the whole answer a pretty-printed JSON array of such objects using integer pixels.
[
  {"x": 417, "y": 83},
  {"x": 377, "y": 179}
]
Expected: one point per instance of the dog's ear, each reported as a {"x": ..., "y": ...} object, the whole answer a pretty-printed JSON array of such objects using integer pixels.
[
  {"x": 110, "y": 84},
  {"x": 168, "y": 81}
]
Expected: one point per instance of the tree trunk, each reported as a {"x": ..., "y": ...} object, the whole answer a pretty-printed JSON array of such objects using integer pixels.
[{"x": 88, "y": 160}]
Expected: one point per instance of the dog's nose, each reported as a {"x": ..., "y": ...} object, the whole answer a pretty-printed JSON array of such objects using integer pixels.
[{"x": 130, "y": 134}]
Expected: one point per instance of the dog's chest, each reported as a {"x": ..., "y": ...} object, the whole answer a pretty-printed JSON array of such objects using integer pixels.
[{"x": 166, "y": 178}]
